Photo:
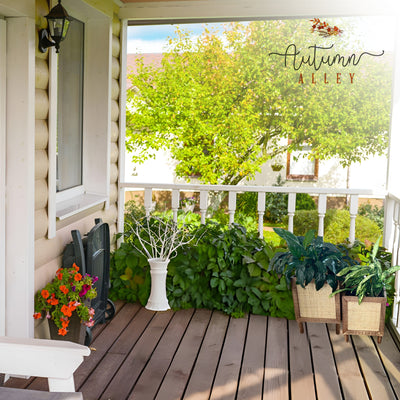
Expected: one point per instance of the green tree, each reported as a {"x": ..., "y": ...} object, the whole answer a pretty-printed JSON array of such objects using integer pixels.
[{"x": 223, "y": 105}]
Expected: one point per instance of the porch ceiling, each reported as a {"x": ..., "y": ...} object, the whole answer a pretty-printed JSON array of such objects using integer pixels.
[{"x": 219, "y": 9}]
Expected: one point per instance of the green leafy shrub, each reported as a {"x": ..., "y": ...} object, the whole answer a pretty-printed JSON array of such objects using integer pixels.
[
  {"x": 305, "y": 202},
  {"x": 374, "y": 213},
  {"x": 226, "y": 270},
  {"x": 336, "y": 224}
]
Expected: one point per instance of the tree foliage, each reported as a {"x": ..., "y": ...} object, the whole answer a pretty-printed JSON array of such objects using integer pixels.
[{"x": 222, "y": 105}]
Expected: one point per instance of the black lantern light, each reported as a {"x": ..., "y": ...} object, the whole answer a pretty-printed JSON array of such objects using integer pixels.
[{"x": 58, "y": 21}]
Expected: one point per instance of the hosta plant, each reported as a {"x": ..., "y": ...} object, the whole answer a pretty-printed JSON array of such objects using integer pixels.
[{"x": 308, "y": 258}]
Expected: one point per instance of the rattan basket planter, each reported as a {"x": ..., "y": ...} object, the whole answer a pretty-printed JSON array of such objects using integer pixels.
[
  {"x": 367, "y": 318},
  {"x": 312, "y": 305}
]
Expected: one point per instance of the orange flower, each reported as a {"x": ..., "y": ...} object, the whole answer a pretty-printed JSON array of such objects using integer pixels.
[
  {"x": 62, "y": 331},
  {"x": 37, "y": 315},
  {"x": 59, "y": 270},
  {"x": 59, "y": 276},
  {"x": 45, "y": 294},
  {"x": 78, "y": 277},
  {"x": 65, "y": 323},
  {"x": 72, "y": 306},
  {"x": 53, "y": 301},
  {"x": 66, "y": 310},
  {"x": 75, "y": 267},
  {"x": 64, "y": 289}
]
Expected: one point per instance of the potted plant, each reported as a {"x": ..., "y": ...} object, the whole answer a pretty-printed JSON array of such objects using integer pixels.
[
  {"x": 366, "y": 285},
  {"x": 188, "y": 203},
  {"x": 311, "y": 265},
  {"x": 65, "y": 303},
  {"x": 157, "y": 239}
]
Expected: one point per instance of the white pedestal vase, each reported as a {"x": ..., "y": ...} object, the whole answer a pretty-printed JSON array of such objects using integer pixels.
[{"x": 158, "y": 294}]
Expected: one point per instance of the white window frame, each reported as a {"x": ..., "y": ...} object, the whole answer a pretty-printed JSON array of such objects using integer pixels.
[{"x": 96, "y": 120}]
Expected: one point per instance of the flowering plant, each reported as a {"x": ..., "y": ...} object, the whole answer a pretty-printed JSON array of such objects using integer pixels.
[{"x": 65, "y": 294}]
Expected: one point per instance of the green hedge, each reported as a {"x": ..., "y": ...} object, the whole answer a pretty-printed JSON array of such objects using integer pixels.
[
  {"x": 337, "y": 225},
  {"x": 226, "y": 270}
]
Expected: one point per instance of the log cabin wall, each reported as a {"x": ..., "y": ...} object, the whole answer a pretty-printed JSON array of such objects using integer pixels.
[{"x": 48, "y": 252}]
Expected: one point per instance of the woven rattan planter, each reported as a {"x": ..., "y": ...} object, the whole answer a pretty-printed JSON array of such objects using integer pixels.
[
  {"x": 367, "y": 318},
  {"x": 312, "y": 305}
]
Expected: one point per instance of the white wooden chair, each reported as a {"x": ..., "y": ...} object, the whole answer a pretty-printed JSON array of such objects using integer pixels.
[{"x": 52, "y": 359}]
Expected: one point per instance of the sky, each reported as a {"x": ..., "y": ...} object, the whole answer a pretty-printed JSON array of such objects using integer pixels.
[{"x": 376, "y": 33}]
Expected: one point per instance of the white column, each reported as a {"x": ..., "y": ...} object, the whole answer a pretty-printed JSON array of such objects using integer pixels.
[
  {"x": 20, "y": 176},
  {"x": 353, "y": 215},
  {"x": 291, "y": 210},
  {"x": 261, "y": 212},
  {"x": 321, "y": 213},
  {"x": 232, "y": 207},
  {"x": 148, "y": 196},
  {"x": 175, "y": 204},
  {"x": 2, "y": 175},
  {"x": 203, "y": 205}
]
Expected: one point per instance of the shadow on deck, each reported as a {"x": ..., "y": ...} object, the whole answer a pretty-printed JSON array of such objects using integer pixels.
[{"x": 200, "y": 354}]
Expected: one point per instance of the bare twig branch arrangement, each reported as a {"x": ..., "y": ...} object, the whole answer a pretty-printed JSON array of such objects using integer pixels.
[{"x": 158, "y": 237}]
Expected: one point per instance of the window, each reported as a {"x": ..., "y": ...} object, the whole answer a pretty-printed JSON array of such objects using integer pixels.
[
  {"x": 300, "y": 167},
  {"x": 70, "y": 108},
  {"x": 80, "y": 118}
]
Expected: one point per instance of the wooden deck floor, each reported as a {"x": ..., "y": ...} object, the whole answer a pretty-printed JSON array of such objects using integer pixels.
[{"x": 199, "y": 354}]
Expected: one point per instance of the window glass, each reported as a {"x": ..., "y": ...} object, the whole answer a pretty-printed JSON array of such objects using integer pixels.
[{"x": 69, "y": 108}]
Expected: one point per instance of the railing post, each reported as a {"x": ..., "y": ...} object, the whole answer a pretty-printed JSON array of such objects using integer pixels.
[
  {"x": 175, "y": 204},
  {"x": 203, "y": 205},
  {"x": 148, "y": 196},
  {"x": 291, "y": 210},
  {"x": 321, "y": 213},
  {"x": 261, "y": 212},
  {"x": 353, "y": 215},
  {"x": 388, "y": 226},
  {"x": 231, "y": 207}
]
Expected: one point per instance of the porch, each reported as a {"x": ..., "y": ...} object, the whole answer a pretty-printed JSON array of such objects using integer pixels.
[{"x": 200, "y": 354}]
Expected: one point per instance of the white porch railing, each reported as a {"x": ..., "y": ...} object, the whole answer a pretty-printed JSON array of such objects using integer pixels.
[
  {"x": 391, "y": 236},
  {"x": 392, "y": 243},
  {"x": 204, "y": 190}
]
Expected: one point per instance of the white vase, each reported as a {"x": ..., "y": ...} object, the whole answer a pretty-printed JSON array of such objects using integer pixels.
[{"x": 158, "y": 294}]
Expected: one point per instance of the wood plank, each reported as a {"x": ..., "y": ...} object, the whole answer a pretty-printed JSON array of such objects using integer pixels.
[
  {"x": 200, "y": 382},
  {"x": 150, "y": 380},
  {"x": 225, "y": 384},
  {"x": 301, "y": 373},
  {"x": 101, "y": 376},
  {"x": 126, "y": 377},
  {"x": 326, "y": 379},
  {"x": 276, "y": 377},
  {"x": 350, "y": 376},
  {"x": 252, "y": 372},
  {"x": 101, "y": 345},
  {"x": 372, "y": 369},
  {"x": 132, "y": 332},
  {"x": 178, "y": 374},
  {"x": 390, "y": 356}
]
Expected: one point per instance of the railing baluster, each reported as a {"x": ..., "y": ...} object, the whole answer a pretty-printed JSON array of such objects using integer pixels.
[
  {"x": 353, "y": 215},
  {"x": 203, "y": 205},
  {"x": 395, "y": 259},
  {"x": 148, "y": 196},
  {"x": 321, "y": 213},
  {"x": 175, "y": 204},
  {"x": 261, "y": 212},
  {"x": 232, "y": 207},
  {"x": 291, "y": 210}
]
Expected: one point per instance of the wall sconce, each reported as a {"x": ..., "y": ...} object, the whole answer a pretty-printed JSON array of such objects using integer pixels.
[{"x": 58, "y": 22}]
